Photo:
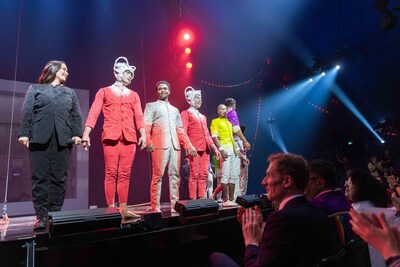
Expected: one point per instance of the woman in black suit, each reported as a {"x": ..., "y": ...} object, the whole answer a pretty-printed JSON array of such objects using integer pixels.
[{"x": 50, "y": 123}]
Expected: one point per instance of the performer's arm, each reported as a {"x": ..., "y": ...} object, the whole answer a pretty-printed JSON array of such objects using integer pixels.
[
  {"x": 238, "y": 132},
  {"x": 86, "y": 138},
  {"x": 142, "y": 138}
]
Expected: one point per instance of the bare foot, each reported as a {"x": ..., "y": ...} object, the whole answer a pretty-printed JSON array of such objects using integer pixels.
[{"x": 129, "y": 215}]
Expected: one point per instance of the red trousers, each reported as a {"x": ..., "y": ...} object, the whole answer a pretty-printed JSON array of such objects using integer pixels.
[
  {"x": 118, "y": 157},
  {"x": 198, "y": 175}
]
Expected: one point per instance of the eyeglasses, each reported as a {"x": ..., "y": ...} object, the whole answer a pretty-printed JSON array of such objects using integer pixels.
[{"x": 313, "y": 178}]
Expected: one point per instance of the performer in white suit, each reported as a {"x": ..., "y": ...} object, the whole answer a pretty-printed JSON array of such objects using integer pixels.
[{"x": 164, "y": 132}]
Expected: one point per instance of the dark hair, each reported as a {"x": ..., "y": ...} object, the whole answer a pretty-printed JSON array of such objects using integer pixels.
[
  {"x": 367, "y": 187},
  {"x": 229, "y": 102},
  {"x": 294, "y": 165},
  {"x": 243, "y": 128},
  {"x": 49, "y": 72},
  {"x": 325, "y": 170},
  {"x": 160, "y": 82}
]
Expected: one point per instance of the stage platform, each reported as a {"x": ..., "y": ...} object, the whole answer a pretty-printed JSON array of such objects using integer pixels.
[{"x": 99, "y": 237}]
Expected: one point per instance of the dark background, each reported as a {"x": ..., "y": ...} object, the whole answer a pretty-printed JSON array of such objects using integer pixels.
[{"x": 250, "y": 50}]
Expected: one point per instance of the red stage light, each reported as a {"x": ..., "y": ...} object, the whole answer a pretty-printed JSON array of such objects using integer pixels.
[
  {"x": 188, "y": 50},
  {"x": 189, "y": 65},
  {"x": 185, "y": 37}
]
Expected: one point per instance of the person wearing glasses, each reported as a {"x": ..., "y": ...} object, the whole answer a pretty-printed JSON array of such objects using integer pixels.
[{"x": 322, "y": 191}]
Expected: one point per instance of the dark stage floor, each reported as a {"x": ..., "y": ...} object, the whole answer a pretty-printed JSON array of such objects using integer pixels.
[{"x": 99, "y": 237}]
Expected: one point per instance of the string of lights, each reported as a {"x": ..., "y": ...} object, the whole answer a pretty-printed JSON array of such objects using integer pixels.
[
  {"x": 230, "y": 85},
  {"x": 323, "y": 110},
  {"x": 257, "y": 124}
]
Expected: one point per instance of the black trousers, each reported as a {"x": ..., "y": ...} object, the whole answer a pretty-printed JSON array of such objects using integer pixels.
[{"x": 49, "y": 164}]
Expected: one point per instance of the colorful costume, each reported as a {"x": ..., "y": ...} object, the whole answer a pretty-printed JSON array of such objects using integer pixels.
[
  {"x": 232, "y": 117},
  {"x": 123, "y": 114},
  {"x": 222, "y": 129},
  {"x": 195, "y": 125}
]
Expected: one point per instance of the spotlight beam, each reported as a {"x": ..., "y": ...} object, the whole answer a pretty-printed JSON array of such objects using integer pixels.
[{"x": 347, "y": 102}]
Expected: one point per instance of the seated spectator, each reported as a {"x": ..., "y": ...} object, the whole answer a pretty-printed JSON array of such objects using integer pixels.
[
  {"x": 322, "y": 191},
  {"x": 375, "y": 167},
  {"x": 378, "y": 233},
  {"x": 297, "y": 234},
  {"x": 388, "y": 163},
  {"x": 368, "y": 195}
]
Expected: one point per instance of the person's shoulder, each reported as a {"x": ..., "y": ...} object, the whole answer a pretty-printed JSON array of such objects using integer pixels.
[
  {"x": 66, "y": 88},
  {"x": 151, "y": 104},
  {"x": 105, "y": 88},
  {"x": 39, "y": 86},
  {"x": 133, "y": 93}
]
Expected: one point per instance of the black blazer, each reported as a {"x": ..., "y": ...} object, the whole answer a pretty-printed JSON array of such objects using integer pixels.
[
  {"x": 297, "y": 235},
  {"x": 49, "y": 108}
]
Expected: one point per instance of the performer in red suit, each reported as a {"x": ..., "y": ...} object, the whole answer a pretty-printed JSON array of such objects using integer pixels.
[
  {"x": 195, "y": 126},
  {"x": 123, "y": 114}
]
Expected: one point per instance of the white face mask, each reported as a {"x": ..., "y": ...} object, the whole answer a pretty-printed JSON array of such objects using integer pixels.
[
  {"x": 193, "y": 97},
  {"x": 120, "y": 66}
]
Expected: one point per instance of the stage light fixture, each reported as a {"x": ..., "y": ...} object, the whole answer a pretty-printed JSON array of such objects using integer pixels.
[
  {"x": 188, "y": 50},
  {"x": 186, "y": 36},
  {"x": 189, "y": 65},
  {"x": 196, "y": 207},
  {"x": 75, "y": 221},
  {"x": 382, "y": 141},
  {"x": 311, "y": 80},
  {"x": 323, "y": 73},
  {"x": 337, "y": 67},
  {"x": 263, "y": 203}
]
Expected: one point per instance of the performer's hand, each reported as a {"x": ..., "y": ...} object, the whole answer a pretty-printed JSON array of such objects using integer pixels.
[
  {"x": 142, "y": 142},
  {"x": 150, "y": 148},
  {"x": 77, "y": 140},
  {"x": 247, "y": 145},
  {"x": 24, "y": 140},
  {"x": 224, "y": 154},
  {"x": 217, "y": 154},
  {"x": 191, "y": 150},
  {"x": 85, "y": 142}
]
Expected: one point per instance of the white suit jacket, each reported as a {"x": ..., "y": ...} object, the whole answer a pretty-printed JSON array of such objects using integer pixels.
[{"x": 163, "y": 123}]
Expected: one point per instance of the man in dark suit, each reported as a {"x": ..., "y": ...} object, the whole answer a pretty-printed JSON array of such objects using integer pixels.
[{"x": 297, "y": 233}]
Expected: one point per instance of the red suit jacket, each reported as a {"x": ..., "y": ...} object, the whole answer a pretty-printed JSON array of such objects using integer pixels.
[
  {"x": 122, "y": 114},
  {"x": 195, "y": 125}
]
